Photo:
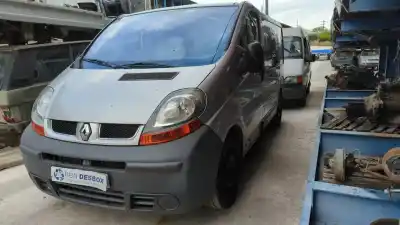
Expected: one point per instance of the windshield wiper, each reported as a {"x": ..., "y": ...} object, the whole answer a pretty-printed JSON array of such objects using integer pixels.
[
  {"x": 145, "y": 64},
  {"x": 102, "y": 63}
]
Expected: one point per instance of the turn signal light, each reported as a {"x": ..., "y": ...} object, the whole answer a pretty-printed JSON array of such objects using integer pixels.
[
  {"x": 38, "y": 129},
  {"x": 299, "y": 79},
  {"x": 170, "y": 135}
]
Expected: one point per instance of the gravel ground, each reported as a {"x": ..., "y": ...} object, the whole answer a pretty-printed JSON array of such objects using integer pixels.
[{"x": 274, "y": 182}]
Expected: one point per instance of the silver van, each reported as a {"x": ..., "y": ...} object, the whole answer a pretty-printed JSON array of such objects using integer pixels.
[
  {"x": 297, "y": 67},
  {"x": 159, "y": 110}
]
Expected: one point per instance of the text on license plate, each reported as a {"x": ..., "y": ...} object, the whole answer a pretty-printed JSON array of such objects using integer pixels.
[{"x": 79, "y": 177}]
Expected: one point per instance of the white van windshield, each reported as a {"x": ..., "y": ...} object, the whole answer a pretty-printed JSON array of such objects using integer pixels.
[
  {"x": 293, "y": 47},
  {"x": 173, "y": 38}
]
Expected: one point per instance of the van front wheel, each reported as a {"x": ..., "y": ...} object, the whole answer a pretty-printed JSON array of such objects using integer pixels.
[{"x": 228, "y": 177}]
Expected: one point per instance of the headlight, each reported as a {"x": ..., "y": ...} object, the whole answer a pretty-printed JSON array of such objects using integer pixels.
[
  {"x": 179, "y": 108},
  {"x": 176, "y": 116},
  {"x": 40, "y": 108}
]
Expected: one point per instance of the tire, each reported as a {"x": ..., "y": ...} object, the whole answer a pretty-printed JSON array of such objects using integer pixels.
[
  {"x": 308, "y": 89},
  {"x": 277, "y": 120},
  {"x": 228, "y": 177}
]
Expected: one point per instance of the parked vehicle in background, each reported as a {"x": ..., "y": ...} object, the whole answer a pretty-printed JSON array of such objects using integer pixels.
[
  {"x": 24, "y": 71},
  {"x": 151, "y": 119},
  {"x": 297, "y": 66},
  {"x": 369, "y": 58},
  {"x": 322, "y": 54},
  {"x": 343, "y": 57}
]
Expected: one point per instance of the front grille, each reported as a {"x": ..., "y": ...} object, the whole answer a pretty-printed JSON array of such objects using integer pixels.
[
  {"x": 109, "y": 199},
  {"x": 64, "y": 127},
  {"x": 81, "y": 162},
  {"x": 108, "y": 130}
]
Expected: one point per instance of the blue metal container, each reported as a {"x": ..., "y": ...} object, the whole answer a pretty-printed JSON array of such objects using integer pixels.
[{"x": 335, "y": 204}]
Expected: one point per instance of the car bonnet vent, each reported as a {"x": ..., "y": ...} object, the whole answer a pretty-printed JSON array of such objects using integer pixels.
[{"x": 148, "y": 76}]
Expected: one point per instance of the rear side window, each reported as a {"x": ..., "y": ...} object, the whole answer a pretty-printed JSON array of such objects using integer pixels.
[{"x": 176, "y": 38}]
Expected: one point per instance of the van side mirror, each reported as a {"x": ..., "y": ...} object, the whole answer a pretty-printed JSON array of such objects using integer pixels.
[
  {"x": 310, "y": 58},
  {"x": 256, "y": 57}
]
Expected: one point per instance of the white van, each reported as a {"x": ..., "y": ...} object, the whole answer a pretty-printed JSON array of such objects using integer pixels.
[{"x": 297, "y": 66}]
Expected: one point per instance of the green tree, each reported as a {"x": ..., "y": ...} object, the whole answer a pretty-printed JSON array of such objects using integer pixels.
[
  {"x": 320, "y": 29},
  {"x": 324, "y": 36}
]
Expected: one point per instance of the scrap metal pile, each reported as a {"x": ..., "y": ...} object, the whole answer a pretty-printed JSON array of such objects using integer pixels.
[
  {"x": 350, "y": 77},
  {"x": 362, "y": 171},
  {"x": 380, "y": 107}
]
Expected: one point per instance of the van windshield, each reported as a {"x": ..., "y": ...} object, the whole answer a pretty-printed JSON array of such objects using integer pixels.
[
  {"x": 170, "y": 38},
  {"x": 293, "y": 47}
]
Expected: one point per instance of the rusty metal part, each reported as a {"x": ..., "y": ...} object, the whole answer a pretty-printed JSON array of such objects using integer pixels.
[
  {"x": 339, "y": 165},
  {"x": 391, "y": 164}
]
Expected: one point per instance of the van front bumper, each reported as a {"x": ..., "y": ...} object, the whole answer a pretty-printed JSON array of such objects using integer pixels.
[{"x": 169, "y": 178}]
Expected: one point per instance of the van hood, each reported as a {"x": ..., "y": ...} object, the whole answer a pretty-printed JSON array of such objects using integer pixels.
[
  {"x": 100, "y": 96},
  {"x": 293, "y": 67}
]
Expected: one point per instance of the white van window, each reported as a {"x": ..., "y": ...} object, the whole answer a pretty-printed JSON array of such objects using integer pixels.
[{"x": 293, "y": 47}]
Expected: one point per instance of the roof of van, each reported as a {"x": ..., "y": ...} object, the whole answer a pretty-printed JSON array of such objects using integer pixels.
[
  {"x": 294, "y": 31},
  {"x": 8, "y": 48}
]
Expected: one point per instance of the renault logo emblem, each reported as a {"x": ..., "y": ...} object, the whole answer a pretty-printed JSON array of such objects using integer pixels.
[{"x": 85, "y": 131}]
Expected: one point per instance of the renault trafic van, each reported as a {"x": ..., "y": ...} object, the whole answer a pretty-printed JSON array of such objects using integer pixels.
[
  {"x": 297, "y": 67},
  {"x": 159, "y": 110}
]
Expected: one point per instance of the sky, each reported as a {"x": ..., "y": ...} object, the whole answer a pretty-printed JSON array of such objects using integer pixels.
[{"x": 308, "y": 13}]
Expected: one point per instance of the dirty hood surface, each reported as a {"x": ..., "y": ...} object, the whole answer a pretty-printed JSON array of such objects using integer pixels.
[{"x": 99, "y": 96}]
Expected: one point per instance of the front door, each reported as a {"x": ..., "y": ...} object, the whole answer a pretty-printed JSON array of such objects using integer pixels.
[
  {"x": 250, "y": 92},
  {"x": 272, "y": 57}
]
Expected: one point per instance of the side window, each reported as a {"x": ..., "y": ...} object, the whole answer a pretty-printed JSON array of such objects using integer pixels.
[
  {"x": 270, "y": 41},
  {"x": 52, "y": 61},
  {"x": 251, "y": 30}
]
